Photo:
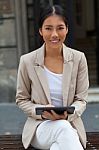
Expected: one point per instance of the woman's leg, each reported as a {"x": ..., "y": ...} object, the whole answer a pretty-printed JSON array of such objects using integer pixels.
[
  {"x": 56, "y": 135},
  {"x": 55, "y": 146}
]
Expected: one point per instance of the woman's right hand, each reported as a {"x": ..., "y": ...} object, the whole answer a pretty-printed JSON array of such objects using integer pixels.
[{"x": 52, "y": 115}]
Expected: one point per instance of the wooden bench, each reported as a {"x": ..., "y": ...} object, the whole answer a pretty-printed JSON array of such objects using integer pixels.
[{"x": 13, "y": 142}]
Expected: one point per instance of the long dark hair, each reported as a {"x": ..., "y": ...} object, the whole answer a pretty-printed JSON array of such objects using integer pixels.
[{"x": 51, "y": 10}]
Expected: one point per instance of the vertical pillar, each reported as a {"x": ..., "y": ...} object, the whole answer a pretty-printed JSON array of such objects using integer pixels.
[
  {"x": 21, "y": 27},
  {"x": 90, "y": 17}
]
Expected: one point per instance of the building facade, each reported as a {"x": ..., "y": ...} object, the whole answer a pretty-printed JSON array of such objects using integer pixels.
[{"x": 19, "y": 35}]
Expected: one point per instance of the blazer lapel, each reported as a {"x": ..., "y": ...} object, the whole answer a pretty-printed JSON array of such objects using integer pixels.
[
  {"x": 67, "y": 72},
  {"x": 39, "y": 68}
]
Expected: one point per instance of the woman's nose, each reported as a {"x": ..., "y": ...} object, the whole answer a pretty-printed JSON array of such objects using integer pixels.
[{"x": 54, "y": 33}]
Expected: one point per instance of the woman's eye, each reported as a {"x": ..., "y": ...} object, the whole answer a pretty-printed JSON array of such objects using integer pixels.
[
  {"x": 60, "y": 28},
  {"x": 48, "y": 28}
]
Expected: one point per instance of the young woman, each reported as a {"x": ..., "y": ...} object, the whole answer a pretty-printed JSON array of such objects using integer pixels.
[{"x": 53, "y": 75}]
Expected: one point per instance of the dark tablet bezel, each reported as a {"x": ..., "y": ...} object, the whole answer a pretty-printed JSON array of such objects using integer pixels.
[{"x": 58, "y": 110}]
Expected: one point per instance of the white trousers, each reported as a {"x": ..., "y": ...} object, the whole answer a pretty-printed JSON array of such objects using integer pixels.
[{"x": 56, "y": 135}]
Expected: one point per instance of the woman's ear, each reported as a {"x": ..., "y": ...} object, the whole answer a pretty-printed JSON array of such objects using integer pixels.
[{"x": 40, "y": 31}]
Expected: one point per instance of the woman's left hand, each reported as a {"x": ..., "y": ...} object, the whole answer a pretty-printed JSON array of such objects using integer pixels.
[{"x": 53, "y": 116}]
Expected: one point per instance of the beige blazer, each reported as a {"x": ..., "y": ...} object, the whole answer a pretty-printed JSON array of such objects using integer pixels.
[{"x": 33, "y": 90}]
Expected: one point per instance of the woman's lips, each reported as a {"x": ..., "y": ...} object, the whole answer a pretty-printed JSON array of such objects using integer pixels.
[{"x": 55, "y": 41}]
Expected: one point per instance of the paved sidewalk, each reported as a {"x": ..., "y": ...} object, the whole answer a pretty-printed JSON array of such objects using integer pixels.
[{"x": 12, "y": 119}]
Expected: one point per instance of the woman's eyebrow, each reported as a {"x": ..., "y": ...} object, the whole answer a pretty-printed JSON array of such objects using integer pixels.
[{"x": 60, "y": 25}]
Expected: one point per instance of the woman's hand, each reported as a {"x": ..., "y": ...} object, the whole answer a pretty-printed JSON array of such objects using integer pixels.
[{"x": 53, "y": 116}]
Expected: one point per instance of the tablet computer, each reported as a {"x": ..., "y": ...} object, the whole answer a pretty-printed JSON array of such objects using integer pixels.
[{"x": 58, "y": 110}]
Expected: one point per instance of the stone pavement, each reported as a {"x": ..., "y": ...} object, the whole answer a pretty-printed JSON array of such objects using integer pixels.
[{"x": 12, "y": 119}]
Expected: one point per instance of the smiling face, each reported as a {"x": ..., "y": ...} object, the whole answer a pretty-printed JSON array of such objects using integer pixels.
[{"x": 54, "y": 31}]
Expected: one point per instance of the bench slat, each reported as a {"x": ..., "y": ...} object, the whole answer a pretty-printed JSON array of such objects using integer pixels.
[{"x": 13, "y": 142}]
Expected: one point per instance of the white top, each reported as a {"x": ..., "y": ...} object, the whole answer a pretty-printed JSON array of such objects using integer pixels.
[{"x": 55, "y": 86}]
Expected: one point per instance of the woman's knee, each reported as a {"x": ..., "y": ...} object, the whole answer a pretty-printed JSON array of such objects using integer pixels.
[{"x": 63, "y": 125}]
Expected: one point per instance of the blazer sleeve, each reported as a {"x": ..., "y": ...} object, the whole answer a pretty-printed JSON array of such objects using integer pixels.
[
  {"x": 81, "y": 89},
  {"x": 23, "y": 92}
]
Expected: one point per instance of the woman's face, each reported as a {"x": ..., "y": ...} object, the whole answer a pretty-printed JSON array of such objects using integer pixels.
[{"x": 54, "y": 31}]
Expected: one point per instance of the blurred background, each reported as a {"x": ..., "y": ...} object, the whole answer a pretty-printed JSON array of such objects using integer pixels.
[{"x": 19, "y": 35}]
